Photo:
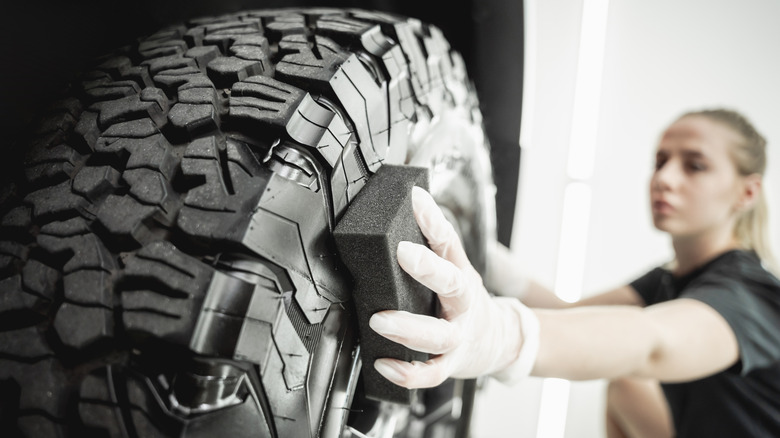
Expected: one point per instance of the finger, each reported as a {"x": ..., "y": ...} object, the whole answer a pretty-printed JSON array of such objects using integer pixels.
[
  {"x": 418, "y": 332},
  {"x": 440, "y": 233},
  {"x": 434, "y": 272},
  {"x": 414, "y": 374},
  {"x": 438, "y": 275}
]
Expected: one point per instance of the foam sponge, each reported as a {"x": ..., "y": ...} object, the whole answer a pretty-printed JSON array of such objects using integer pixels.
[{"x": 367, "y": 237}]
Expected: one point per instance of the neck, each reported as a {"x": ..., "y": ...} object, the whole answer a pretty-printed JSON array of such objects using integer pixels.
[{"x": 694, "y": 251}]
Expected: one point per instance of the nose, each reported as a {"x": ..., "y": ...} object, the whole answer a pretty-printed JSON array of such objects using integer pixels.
[{"x": 667, "y": 176}]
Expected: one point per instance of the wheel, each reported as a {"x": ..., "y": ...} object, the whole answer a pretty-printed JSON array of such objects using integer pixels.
[{"x": 166, "y": 259}]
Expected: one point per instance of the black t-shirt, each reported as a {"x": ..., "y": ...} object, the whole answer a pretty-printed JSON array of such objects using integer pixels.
[{"x": 743, "y": 401}]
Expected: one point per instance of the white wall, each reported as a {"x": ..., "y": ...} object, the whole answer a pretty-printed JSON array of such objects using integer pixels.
[{"x": 662, "y": 58}]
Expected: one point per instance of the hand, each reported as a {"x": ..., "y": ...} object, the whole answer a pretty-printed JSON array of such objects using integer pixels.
[{"x": 475, "y": 335}]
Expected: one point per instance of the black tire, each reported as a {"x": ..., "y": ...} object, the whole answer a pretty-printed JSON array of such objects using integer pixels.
[{"x": 166, "y": 261}]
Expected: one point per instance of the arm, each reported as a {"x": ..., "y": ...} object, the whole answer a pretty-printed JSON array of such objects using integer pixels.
[
  {"x": 475, "y": 335},
  {"x": 674, "y": 341},
  {"x": 504, "y": 278}
]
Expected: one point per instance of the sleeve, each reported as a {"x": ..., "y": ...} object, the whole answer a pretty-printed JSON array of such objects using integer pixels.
[
  {"x": 648, "y": 286},
  {"x": 755, "y": 322}
]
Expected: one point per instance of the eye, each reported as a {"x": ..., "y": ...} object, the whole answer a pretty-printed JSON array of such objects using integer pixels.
[
  {"x": 660, "y": 160},
  {"x": 696, "y": 166}
]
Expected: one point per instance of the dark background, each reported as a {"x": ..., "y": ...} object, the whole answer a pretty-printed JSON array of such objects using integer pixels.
[{"x": 45, "y": 43}]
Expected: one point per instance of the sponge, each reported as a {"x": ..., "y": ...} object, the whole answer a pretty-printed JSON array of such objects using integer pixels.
[{"x": 367, "y": 237}]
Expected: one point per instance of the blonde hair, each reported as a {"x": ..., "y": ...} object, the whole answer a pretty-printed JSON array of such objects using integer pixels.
[{"x": 749, "y": 155}]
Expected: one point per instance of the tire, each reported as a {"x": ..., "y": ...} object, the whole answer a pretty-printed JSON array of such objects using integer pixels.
[{"x": 166, "y": 259}]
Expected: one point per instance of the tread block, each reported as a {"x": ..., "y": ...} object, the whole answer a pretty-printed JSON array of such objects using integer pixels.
[
  {"x": 171, "y": 80},
  {"x": 79, "y": 326},
  {"x": 11, "y": 255},
  {"x": 87, "y": 132},
  {"x": 26, "y": 343},
  {"x": 122, "y": 149},
  {"x": 112, "y": 90},
  {"x": 151, "y": 103},
  {"x": 143, "y": 403},
  {"x": 197, "y": 81},
  {"x": 61, "y": 118},
  {"x": 78, "y": 252},
  {"x": 17, "y": 220},
  {"x": 286, "y": 24},
  {"x": 140, "y": 75},
  {"x": 44, "y": 388},
  {"x": 95, "y": 182},
  {"x": 165, "y": 63},
  {"x": 13, "y": 249},
  {"x": 194, "y": 36},
  {"x": 72, "y": 227},
  {"x": 159, "y": 48},
  {"x": 95, "y": 79},
  {"x": 47, "y": 174},
  {"x": 168, "y": 32},
  {"x": 54, "y": 154},
  {"x": 308, "y": 62},
  {"x": 149, "y": 187},
  {"x": 12, "y": 298},
  {"x": 253, "y": 48},
  {"x": 69, "y": 105},
  {"x": 97, "y": 408},
  {"x": 202, "y": 55},
  {"x": 155, "y": 154},
  {"x": 224, "y": 34},
  {"x": 162, "y": 292},
  {"x": 198, "y": 95},
  {"x": 340, "y": 26},
  {"x": 39, "y": 425},
  {"x": 194, "y": 119},
  {"x": 55, "y": 201},
  {"x": 89, "y": 287},
  {"x": 171, "y": 271},
  {"x": 225, "y": 72},
  {"x": 252, "y": 41},
  {"x": 40, "y": 279},
  {"x": 263, "y": 101},
  {"x": 156, "y": 95},
  {"x": 124, "y": 217},
  {"x": 133, "y": 129},
  {"x": 234, "y": 181},
  {"x": 115, "y": 66}
]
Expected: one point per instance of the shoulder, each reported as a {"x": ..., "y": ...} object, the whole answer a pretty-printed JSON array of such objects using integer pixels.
[
  {"x": 747, "y": 296},
  {"x": 650, "y": 286},
  {"x": 741, "y": 270}
]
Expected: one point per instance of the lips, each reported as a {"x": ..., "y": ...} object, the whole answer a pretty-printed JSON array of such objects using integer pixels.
[{"x": 662, "y": 207}]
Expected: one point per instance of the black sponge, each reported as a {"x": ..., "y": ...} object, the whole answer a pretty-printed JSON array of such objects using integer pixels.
[{"x": 367, "y": 237}]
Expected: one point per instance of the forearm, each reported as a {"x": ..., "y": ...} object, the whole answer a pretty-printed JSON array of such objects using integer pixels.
[
  {"x": 505, "y": 278},
  {"x": 538, "y": 296},
  {"x": 595, "y": 342}
]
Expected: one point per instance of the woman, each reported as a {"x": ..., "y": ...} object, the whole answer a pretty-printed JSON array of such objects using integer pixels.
[{"x": 707, "y": 327}]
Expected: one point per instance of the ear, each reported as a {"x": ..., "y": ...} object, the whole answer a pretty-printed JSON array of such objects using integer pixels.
[{"x": 750, "y": 191}]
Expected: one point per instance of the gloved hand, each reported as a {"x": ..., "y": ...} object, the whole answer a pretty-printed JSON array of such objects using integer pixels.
[
  {"x": 503, "y": 276},
  {"x": 476, "y": 333}
]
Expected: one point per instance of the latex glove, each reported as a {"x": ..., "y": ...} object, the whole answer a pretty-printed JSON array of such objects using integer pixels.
[
  {"x": 503, "y": 276},
  {"x": 475, "y": 335}
]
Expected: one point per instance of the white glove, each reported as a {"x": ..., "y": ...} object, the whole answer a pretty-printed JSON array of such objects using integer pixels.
[
  {"x": 503, "y": 276},
  {"x": 476, "y": 334}
]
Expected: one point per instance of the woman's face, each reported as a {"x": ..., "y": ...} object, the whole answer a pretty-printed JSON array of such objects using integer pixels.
[{"x": 695, "y": 187}]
